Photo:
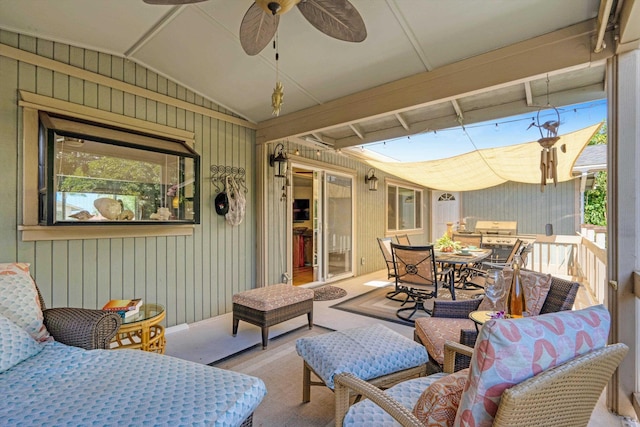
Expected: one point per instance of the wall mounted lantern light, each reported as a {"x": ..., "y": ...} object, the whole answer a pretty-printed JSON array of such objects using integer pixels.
[
  {"x": 278, "y": 160},
  {"x": 370, "y": 178}
]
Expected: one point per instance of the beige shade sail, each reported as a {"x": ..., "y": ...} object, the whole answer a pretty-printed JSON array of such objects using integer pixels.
[{"x": 491, "y": 166}]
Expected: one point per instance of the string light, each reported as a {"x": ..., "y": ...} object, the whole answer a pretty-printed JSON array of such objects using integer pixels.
[
  {"x": 496, "y": 125},
  {"x": 297, "y": 152},
  {"x": 318, "y": 153}
]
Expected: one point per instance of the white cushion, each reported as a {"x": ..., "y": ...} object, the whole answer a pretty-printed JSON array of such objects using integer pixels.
[{"x": 19, "y": 300}]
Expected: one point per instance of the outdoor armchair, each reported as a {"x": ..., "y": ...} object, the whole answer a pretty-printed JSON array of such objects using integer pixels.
[
  {"x": 80, "y": 327},
  {"x": 450, "y": 321},
  {"x": 511, "y": 388}
]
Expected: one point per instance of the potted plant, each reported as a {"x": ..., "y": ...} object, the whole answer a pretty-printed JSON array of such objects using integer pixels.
[{"x": 446, "y": 244}]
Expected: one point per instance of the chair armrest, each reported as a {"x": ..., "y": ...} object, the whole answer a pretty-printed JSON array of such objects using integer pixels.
[
  {"x": 81, "y": 327},
  {"x": 452, "y": 348},
  {"x": 345, "y": 382},
  {"x": 458, "y": 309}
]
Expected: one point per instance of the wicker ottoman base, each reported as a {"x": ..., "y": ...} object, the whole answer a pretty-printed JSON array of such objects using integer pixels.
[{"x": 268, "y": 318}]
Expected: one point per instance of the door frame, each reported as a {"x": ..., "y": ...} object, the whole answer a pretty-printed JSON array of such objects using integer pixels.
[{"x": 323, "y": 168}]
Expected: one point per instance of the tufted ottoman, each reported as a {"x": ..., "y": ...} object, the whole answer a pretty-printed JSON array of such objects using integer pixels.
[
  {"x": 373, "y": 353},
  {"x": 271, "y": 305}
]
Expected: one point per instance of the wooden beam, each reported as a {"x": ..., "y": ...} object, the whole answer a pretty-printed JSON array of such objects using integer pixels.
[
  {"x": 572, "y": 96},
  {"x": 402, "y": 121},
  {"x": 629, "y": 36},
  {"x": 356, "y": 129},
  {"x": 565, "y": 48}
]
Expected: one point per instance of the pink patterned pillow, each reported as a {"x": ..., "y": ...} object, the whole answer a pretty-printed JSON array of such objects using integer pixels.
[
  {"x": 536, "y": 288},
  {"x": 19, "y": 300},
  {"x": 509, "y": 351},
  {"x": 438, "y": 404}
]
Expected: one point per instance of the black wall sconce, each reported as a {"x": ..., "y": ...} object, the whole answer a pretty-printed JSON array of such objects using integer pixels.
[
  {"x": 370, "y": 178},
  {"x": 278, "y": 160}
]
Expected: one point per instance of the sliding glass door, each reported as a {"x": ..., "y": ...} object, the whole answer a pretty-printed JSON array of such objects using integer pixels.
[
  {"x": 322, "y": 232},
  {"x": 338, "y": 201}
]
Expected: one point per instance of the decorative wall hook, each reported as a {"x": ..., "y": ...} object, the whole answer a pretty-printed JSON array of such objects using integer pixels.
[{"x": 219, "y": 174}]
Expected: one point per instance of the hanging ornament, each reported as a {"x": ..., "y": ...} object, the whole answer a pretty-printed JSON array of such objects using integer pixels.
[
  {"x": 276, "y": 98},
  {"x": 548, "y": 138},
  {"x": 278, "y": 92}
]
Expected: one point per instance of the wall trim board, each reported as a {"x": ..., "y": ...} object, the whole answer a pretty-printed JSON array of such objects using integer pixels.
[
  {"x": 40, "y": 61},
  {"x": 52, "y": 105},
  {"x": 31, "y": 233}
]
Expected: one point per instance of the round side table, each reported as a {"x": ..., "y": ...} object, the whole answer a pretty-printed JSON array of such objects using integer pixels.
[
  {"x": 480, "y": 317},
  {"x": 142, "y": 331}
]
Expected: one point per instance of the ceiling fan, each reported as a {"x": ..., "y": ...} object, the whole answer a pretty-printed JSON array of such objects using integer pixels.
[{"x": 336, "y": 18}]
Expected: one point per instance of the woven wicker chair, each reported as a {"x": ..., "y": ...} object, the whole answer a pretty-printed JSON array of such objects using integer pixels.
[
  {"x": 561, "y": 296},
  {"x": 562, "y": 396},
  {"x": 81, "y": 327}
]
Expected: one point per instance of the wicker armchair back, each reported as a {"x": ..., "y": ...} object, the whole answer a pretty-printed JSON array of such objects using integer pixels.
[{"x": 80, "y": 327}]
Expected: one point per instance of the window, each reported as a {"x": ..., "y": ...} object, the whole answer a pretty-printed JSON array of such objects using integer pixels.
[
  {"x": 89, "y": 173},
  {"x": 404, "y": 208}
]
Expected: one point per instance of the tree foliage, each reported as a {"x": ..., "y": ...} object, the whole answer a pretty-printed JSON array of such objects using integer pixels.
[{"x": 595, "y": 199}]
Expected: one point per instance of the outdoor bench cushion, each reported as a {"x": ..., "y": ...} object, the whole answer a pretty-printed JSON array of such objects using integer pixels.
[
  {"x": 367, "y": 352},
  {"x": 272, "y": 297},
  {"x": 69, "y": 386}
]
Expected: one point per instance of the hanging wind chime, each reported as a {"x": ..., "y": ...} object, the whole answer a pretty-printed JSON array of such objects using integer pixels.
[
  {"x": 548, "y": 138},
  {"x": 278, "y": 92}
]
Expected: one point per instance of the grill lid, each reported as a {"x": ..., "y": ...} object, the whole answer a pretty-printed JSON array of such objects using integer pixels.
[{"x": 497, "y": 227}]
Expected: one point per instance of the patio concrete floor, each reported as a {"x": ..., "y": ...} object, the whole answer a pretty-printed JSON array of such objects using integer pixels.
[{"x": 211, "y": 339}]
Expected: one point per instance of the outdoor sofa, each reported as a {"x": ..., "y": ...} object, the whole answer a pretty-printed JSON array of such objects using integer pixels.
[{"x": 55, "y": 369}]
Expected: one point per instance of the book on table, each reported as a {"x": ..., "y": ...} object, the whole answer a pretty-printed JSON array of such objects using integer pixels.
[
  {"x": 123, "y": 305},
  {"x": 129, "y": 313}
]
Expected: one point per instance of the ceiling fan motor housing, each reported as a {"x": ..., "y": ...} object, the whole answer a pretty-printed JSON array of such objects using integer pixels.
[{"x": 277, "y": 7}]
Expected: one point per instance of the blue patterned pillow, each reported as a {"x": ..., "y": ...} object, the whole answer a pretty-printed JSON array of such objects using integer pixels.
[{"x": 16, "y": 344}]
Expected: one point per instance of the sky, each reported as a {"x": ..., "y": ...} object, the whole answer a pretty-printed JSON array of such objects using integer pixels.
[{"x": 497, "y": 133}]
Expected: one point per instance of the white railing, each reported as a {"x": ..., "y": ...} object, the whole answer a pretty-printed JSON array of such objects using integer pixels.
[{"x": 575, "y": 257}]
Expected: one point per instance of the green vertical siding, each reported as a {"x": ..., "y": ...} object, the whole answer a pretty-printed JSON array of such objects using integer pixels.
[
  {"x": 557, "y": 205},
  {"x": 193, "y": 276}
]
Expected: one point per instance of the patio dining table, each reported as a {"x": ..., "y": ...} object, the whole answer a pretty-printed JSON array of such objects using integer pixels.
[
  {"x": 459, "y": 261},
  {"x": 474, "y": 255}
]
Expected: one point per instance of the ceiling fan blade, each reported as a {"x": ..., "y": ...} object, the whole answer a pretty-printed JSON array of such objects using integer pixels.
[
  {"x": 336, "y": 18},
  {"x": 172, "y": 2},
  {"x": 257, "y": 29}
]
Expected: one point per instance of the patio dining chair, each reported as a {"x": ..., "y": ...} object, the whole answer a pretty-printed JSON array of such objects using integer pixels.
[
  {"x": 476, "y": 277},
  {"x": 416, "y": 271},
  {"x": 385, "y": 248},
  {"x": 403, "y": 239}
]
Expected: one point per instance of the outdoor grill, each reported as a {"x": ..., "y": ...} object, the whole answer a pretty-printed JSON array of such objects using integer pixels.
[{"x": 500, "y": 236}]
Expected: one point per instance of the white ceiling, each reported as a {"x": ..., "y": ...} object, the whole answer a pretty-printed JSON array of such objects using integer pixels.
[{"x": 198, "y": 46}]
